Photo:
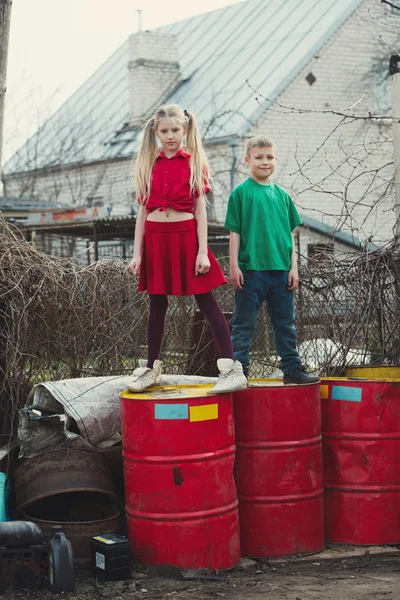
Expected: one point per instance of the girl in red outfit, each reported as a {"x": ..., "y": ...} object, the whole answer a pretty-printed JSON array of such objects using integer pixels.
[{"x": 170, "y": 252}]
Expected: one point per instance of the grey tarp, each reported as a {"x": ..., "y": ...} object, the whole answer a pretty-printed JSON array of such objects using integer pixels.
[{"x": 78, "y": 412}]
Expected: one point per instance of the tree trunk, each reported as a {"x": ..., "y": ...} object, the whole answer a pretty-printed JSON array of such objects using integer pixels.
[{"x": 5, "y": 18}]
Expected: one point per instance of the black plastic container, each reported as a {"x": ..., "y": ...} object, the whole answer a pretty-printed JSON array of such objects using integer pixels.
[
  {"x": 111, "y": 557},
  {"x": 61, "y": 562}
]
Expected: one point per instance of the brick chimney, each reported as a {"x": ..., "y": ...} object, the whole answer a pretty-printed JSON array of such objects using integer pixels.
[{"x": 153, "y": 72}]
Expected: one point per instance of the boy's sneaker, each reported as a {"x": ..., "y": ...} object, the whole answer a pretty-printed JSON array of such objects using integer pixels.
[
  {"x": 145, "y": 377},
  {"x": 299, "y": 376},
  {"x": 231, "y": 378}
]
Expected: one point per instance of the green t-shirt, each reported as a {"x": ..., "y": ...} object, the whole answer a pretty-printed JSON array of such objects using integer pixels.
[{"x": 264, "y": 216}]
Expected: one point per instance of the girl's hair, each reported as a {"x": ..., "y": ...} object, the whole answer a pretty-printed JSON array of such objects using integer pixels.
[
  {"x": 262, "y": 141},
  {"x": 148, "y": 151}
]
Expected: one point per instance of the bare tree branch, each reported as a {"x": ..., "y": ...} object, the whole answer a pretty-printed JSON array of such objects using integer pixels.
[{"x": 390, "y": 4}]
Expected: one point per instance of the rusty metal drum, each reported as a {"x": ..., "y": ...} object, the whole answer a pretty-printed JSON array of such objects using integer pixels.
[
  {"x": 361, "y": 446},
  {"x": 181, "y": 500},
  {"x": 278, "y": 469},
  {"x": 69, "y": 487},
  {"x": 62, "y": 471},
  {"x": 81, "y": 516}
]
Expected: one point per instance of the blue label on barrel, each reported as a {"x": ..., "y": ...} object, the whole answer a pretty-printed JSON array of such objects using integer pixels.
[
  {"x": 342, "y": 392},
  {"x": 171, "y": 411}
]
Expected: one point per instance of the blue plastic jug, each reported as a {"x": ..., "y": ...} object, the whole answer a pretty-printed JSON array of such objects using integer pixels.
[{"x": 3, "y": 496}]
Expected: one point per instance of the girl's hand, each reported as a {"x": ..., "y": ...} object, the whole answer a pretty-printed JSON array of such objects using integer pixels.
[
  {"x": 202, "y": 264},
  {"x": 293, "y": 279},
  {"x": 134, "y": 265},
  {"x": 237, "y": 279}
]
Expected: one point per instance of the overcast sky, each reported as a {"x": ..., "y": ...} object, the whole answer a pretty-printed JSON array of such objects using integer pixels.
[{"x": 55, "y": 45}]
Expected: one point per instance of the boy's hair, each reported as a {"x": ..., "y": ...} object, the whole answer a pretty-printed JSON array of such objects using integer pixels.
[
  {"x": 259, "y": 140},
  {"x": 148, "y": 151}
]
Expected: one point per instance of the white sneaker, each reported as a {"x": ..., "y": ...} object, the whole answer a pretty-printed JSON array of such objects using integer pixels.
[
  {"x": 231, "y": 379},
  {"x": 145, "y": 377}
]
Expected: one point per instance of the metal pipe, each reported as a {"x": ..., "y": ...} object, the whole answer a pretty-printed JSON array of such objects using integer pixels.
[{"x": 394, "y": 69}]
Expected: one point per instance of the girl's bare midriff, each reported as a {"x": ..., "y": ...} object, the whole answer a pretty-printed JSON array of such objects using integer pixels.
[{"x": 170, "y": 214}]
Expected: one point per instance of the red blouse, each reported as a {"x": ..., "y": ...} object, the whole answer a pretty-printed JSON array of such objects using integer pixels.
[{"x": 170, "y": 187}]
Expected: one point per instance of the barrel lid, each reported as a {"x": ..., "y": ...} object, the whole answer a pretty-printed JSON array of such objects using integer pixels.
[
  {"x": 360, "y": 379},
  {"x": 170, "y": 392},
  {"x": 267, "y": 382}
]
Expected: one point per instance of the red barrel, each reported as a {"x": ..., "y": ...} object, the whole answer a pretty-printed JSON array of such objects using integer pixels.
[
  {"x": 181, "y": 500},
  {"x": 361, "y": 444},
  {"x": 278, "y": 470}
]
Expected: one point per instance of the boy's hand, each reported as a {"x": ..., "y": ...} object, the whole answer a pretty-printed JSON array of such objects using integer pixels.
[
  {"x": 202, "y": 264},
  {"x": 293, "y": 279},
  {"x": 237, "y": 279}
]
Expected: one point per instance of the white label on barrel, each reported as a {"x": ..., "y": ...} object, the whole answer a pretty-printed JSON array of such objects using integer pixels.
[{"x": 100, "y": 561}]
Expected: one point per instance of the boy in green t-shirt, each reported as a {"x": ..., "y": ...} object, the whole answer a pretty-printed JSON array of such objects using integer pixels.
[{"x": 261, "y": 217}]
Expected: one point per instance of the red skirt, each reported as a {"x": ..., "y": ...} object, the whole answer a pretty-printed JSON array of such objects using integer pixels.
[{"x": 169, "y": 260}]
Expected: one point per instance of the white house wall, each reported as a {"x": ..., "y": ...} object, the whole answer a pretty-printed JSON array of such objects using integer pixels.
[{"x": 107, "y": 182}]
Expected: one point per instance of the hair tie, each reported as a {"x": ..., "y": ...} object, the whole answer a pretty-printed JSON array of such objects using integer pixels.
[{"x": 185, "y": 112}]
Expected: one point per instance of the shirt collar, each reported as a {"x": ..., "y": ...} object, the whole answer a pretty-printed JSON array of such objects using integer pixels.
[{"x": 180, "y": 154}]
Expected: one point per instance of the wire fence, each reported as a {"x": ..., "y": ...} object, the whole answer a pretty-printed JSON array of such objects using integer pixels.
[{"x": 59, "y": 319}]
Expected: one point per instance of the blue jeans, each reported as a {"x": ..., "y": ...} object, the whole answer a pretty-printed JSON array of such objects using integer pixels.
[{"x": 271, "y": 287}]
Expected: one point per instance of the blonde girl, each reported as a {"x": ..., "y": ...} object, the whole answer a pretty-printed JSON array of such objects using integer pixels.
[{"x": 170, "y": 252}]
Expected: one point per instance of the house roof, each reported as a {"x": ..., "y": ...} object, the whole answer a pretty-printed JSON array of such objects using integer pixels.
[{"x": 264, "y": 42}]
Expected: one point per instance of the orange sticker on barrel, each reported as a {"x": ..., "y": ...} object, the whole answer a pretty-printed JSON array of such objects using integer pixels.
[
  {"x": 206, "y": 412},
  {"x": 324, "y": 392}
]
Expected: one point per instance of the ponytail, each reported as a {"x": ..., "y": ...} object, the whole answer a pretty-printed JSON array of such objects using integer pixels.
[
  {"x": 145, "y": 160},
  {"x": 199, "y": 167}
]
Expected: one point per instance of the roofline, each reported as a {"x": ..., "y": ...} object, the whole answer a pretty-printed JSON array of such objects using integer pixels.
[
  {"x": 341, "y": 236},
  {"x": 64, "y": 103},
  {"x": 192, "y": 17},
  {"x": 64, "y": 167},
  {"x": 69, "y": 166}
]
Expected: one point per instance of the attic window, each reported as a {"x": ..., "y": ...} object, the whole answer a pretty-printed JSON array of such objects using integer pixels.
[{"x": 311, "y": 78}]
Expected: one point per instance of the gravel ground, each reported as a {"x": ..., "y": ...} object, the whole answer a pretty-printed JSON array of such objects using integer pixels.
[{"x": 364, "y": 577}]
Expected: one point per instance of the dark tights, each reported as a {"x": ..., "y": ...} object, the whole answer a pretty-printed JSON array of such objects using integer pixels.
[{"x": 207, "y": 305}]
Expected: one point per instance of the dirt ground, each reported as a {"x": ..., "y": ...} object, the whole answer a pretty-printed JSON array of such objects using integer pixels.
[{"x": 353, "y": 578}]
